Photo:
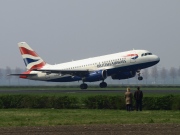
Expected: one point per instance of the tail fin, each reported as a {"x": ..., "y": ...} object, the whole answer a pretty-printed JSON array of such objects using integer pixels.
[{"x": 30, "y": 57}]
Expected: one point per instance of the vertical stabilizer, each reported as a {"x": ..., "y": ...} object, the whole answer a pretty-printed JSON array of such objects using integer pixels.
[{"x": 30, "y": 57}]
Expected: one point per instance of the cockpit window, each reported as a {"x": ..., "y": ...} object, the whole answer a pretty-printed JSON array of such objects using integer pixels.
[
  {"x": 148, "y": 53},
  {"x": 145, "y": 54}
]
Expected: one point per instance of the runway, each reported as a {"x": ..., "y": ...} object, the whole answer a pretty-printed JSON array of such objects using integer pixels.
[{"x": 16, "y": 91}]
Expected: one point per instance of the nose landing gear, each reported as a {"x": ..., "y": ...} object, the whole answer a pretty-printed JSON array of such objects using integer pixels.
[{"x": 140, "y": 78}]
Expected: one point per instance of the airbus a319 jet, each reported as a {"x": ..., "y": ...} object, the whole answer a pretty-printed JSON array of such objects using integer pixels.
[{"x": 122, "y": 65}]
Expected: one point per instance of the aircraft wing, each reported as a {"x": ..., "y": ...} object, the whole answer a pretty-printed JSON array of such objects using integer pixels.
[{"x": 80, "y": 73}]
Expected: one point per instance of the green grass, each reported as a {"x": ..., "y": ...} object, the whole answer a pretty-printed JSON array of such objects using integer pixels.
[{"x": 51, "y": 117}]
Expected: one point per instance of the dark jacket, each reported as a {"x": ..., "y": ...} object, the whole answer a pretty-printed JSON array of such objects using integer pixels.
[{"x": 138, "y": 95}]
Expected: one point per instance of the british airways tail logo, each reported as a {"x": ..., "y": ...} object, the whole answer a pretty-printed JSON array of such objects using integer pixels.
[
  {"x": 133, "y": 56},
  {"x": 31, "y": 59}
]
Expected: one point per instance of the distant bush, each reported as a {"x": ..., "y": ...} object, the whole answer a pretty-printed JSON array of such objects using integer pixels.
[
  {"x": 169, "y": 102},
  {"x": 37, "y": 101},
  {"x": 64, "y": 102},
  {"x": 176, "y": 103},
  {"x": 158, "y": 103},
  {"x": 104, "y": 102}
]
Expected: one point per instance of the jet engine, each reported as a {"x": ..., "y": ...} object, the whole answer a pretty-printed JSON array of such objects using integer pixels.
[
  {"x": 96, "y": 76},
  {"x": 123, "y": 75}
]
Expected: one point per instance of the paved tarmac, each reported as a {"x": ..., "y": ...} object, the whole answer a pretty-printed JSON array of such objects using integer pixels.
[{"x": 16, "y": 91}]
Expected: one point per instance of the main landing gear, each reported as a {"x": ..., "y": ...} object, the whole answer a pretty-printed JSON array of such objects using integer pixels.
[
  {"x": 85, "y": 86},
  {"x": 140, "y": 78},
  {"x": 103, "y": 85}
]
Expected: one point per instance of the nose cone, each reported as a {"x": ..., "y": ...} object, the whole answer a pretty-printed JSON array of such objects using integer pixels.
[
  {"x": 157, "y": 59},
  {"x": 154, "y": 59}
]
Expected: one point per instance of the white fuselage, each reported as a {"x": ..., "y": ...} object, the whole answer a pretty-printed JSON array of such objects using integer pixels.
[{"x": 113, "y": 63}]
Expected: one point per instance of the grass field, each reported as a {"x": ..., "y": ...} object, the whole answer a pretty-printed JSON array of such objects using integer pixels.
[{"x": 50, "y": 117}]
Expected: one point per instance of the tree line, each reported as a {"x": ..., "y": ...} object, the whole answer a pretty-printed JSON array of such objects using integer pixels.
[
  {"x": 163, "y": 74},
  {"x": 153, "y": 75}
]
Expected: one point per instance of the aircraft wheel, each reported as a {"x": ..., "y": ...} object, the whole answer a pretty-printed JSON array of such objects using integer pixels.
[
  {"x": 103, "y": 85},
  {"x": 84, "y": 86},
  {"x": 140, "y": 78}
]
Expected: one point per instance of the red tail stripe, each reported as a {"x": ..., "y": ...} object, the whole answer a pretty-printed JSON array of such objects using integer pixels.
[
  {"x": 26, "y": 51},
  {"x": 38, "y": 66},
  {"x": 24, "y": 76}
]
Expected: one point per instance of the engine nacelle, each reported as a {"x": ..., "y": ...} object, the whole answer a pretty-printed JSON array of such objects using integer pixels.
[
  {"x": 96, "y": 76},
  {"x": 124, "y": 75}
]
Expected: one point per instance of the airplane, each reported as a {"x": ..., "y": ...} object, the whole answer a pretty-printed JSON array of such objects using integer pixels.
[{"x": 122, "y": 65}]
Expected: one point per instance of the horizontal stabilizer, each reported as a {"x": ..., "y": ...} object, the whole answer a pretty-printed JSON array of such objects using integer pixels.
[{"x": 22, "y": 75}]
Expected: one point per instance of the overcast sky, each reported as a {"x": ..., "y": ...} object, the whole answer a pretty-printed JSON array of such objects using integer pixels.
[{"x": 66, "y": 30}]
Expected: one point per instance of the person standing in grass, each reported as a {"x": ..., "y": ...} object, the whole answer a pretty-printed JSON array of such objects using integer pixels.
[
  {"x": 128, "y": 99},
  {"x": 138, "y": 96}
]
